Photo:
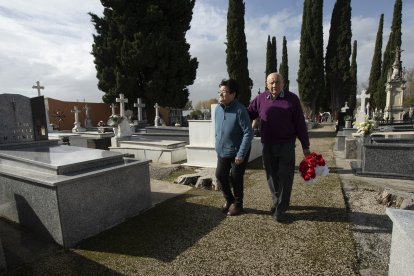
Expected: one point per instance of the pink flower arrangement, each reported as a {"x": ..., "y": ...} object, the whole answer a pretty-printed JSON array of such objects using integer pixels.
[{"x": 311, "y": 166}]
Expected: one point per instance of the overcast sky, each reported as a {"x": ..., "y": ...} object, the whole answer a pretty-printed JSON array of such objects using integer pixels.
[{"x": 50, "y": 41}]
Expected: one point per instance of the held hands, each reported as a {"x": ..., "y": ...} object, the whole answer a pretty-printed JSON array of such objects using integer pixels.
[
  {"x": 238, "y": 160},
  {"x": 306, "y": 152}
]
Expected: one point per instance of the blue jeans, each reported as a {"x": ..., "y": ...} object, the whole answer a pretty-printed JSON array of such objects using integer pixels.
[
  {"x": 230, "y": 175},
  {"x": 279, "y": 164}
]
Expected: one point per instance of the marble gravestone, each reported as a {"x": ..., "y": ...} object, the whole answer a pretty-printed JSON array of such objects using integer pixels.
[
  {"x": 22, "y": 119},
  {"x": 63, "y": 193}
]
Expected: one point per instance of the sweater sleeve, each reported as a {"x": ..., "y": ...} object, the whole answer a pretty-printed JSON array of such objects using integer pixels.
[
  {"x": 300, "y": 125},
  {"x": 246, "y": 126}
]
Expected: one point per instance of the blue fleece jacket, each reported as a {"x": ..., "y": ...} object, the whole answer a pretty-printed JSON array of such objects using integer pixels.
[{"x": 234, "y": 132}]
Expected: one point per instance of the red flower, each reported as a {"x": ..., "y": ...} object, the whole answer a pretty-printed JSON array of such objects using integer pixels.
[{"x": 308, "y": 165}]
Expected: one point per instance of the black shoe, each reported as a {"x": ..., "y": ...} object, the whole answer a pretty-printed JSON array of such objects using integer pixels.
[
  {"x": 234, "y": 210},
  {"x": 272, "y": 209},
  {"x": 279, "y": 216},
  {"x": 225, "y": 207}
]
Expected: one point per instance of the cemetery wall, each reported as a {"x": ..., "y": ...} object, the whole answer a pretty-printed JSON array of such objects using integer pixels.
[{"x": 98, "y": 112}]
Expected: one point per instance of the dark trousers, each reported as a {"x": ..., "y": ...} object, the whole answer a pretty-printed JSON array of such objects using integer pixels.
[
  {"x": 279, "y": 163},
  {"x": 230, "y": 175}
]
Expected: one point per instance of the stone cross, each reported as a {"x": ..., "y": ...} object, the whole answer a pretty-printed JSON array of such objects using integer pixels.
[
  {"x": 113, "y": 106},
  {"x": 121, "y": 100},
  {"x": 363, "y": 96},
  {"x": 38, "y": 87},
  {"x": 345, "y": 108},
  {"x": 76, "y": 111},
  {"x": 157, "y": 115},
  {"x": 139, "y": 105}
]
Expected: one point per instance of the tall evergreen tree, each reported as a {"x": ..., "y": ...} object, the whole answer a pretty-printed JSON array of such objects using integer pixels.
[
  {"x": 236, "y": 58},
  {"x": 353, "y": 80},
  {"x": 273, "y": 66},
  {"x": 271, "y": 59},
  {"x": 394, "y": 41},
  {"x": 311, "y": 68},
  {"x": 375, "y": 73},
  {"x": 338, "y": 52},
  {"x": 140, "y": 50},
  {"x": 284, "y": 66},
  {"x": 268, "y": 58}
]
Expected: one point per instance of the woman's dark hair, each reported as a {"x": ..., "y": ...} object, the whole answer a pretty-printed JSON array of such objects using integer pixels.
[{"x": 231, "y": 84}]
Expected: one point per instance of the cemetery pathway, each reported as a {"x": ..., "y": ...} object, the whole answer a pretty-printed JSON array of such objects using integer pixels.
[{"x": 188, "y": 235}]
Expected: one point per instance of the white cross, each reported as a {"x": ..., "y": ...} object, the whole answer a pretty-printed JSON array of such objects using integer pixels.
[
  {"x": 38, "y": 87},
  {"x": 121, "y": 100},
  {"x": 139, "y": 105},
  {"x": 76, "y": 111},
  {"x": 363, "y": 96},
  {"x": 345, "y": 108},
  {"x": 113, "y": 106},
  {"x": 157, "y": 115}
]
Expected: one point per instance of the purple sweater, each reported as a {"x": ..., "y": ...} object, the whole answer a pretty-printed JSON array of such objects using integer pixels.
[{"x": 281, "y": 120}]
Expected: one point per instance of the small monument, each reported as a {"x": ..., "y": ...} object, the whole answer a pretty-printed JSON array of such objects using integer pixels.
[
  {"x": 77, "y": 126},
  {"x": 124, "y": 127},
  {"x": 139, "y": 105},
  {"x": 361, "y": 114},
  {"x": 394, "y": 88},
  {"x": 38, "y": 87},
  {"x": 157, "y": 115},
  {"x": 88, "y": 121},
  {"x": 113, "y": 107}
]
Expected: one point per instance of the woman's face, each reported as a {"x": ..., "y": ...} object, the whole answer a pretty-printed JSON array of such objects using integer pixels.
[{"x": 225, "y": 97}]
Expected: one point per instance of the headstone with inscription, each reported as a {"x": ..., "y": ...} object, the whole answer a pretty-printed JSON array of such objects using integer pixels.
[{"x": 23, "y": 119}]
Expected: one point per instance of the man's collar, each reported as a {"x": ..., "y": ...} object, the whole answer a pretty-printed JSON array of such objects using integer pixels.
[{"x": 281, "y": 95}]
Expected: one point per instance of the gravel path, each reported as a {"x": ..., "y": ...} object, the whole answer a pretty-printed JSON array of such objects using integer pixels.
[{"x": 335, "y": 227}]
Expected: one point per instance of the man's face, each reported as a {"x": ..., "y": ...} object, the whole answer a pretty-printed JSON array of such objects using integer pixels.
[
  {"x": 224, "y": 95},
  {"x": 274, "y": 85}
]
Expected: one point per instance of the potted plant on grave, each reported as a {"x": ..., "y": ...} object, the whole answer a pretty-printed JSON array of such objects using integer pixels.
[
  {"x": 114, "y": 121},
  {"x": 365, "y": 129},
  {"x": 348, "y": 121}
]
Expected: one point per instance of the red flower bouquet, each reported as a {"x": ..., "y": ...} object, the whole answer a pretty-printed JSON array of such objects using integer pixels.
[{"x": 311, "y": 166}]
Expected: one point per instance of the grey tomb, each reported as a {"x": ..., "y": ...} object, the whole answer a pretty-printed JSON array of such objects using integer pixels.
[{"x": 65, "y": 193}]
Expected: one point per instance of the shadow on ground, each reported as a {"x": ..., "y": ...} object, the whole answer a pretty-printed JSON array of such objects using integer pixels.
[{"x": 163, "y": 232}]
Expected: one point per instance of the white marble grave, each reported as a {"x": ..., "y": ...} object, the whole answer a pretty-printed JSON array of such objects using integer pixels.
[
  {"x": 402, "y": 242},
  {"x": 201, "y": 152}
]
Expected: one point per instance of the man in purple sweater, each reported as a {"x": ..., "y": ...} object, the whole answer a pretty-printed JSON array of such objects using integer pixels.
[{"x": 282, "y": 121}]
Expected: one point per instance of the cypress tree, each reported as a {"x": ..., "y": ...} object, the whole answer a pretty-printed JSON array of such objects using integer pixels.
[
  {"x": 353, "y": 80},
  {"x": 273, "y": 59},
  {"x": 284, "y": 66},
  {"x": 268, "y": 58},
  {"x": 394, "y": 41},
  {"x": 375, "y": 73},
  {"x": 140, "y": 50},
  {"x": 236, "y": 52},
  {"x": 338, "y": 52},
  {"x": 311, "y": 73}
]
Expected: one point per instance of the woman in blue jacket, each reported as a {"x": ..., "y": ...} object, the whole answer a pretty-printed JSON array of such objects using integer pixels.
[{"x": 234, "y": 135}]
